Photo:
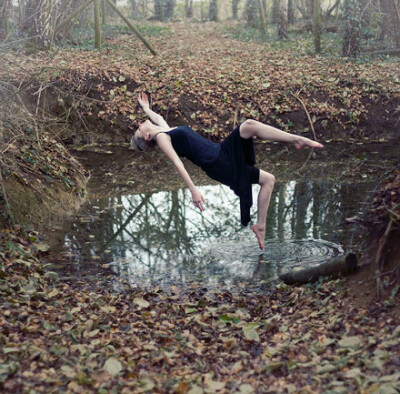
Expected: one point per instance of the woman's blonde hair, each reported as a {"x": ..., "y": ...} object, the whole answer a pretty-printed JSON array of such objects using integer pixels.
[{"x": 142, "y": 145}]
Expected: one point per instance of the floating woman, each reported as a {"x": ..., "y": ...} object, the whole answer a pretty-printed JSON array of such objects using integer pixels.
[{"x": 231, "y": 162}]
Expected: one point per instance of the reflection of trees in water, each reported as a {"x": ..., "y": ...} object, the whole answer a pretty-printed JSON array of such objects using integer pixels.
[
  {"x": 312, "y": 210},
  {"x": 164, "y": 232},
  {"x": 150, "y": 228}
]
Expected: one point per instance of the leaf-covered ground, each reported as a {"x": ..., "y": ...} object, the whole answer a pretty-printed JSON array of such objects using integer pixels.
[{"x": 65, "y": 337}]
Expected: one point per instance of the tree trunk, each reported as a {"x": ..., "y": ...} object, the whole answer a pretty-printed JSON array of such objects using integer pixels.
[
  {"x": 189, "y": 8},
  {"x": 352, "y": 29},
  {"x": 163, "y": 9},
  {"x": 251, "y": 13},
  {"x": 143, "y": 8},
  {"x": 158, "y": 10},
  {"x": 317, "y": 26},
  {"x": 330, "y": 10},
  {"x": 261, "y": 13},
  {"x": 283, "y": 20},
  {"x": 5, "y": 6},
  {"x": 21, "y": 13},
  {"x": 45, "y": 27},
  {"x": 275, "y": 11},
  {"x": 28, "y": 17},
  {"x": 310, "y": 9},
  {"x": 169, "y": 8},
  {"x": 133, "y": 28},
  {"x": 97, "y": 24},
  {"x": 235, "y": 6},
  {"x": 67, "y": 22},
  {"x": 104, "y": 12},
  {"x": 38, "y": 22},
  {"x": 291, "y": 11},
  {"x": 391, "y": 20},
  {"x": 213, "y": 11}
]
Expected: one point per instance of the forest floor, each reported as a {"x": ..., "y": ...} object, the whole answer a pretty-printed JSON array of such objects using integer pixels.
[{"x": 57, "y": 336}]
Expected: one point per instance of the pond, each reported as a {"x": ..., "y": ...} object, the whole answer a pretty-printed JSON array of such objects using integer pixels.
[
  {"x": 161, "y": 239},
  {"x": 158, "y": 239}
]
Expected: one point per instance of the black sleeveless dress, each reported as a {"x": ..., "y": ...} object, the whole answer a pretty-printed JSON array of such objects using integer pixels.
[{"x": 231, "y": 162}]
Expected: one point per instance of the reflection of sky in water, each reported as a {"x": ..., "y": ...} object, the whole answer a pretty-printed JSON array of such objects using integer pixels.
[{"x": 162, "y": 239}]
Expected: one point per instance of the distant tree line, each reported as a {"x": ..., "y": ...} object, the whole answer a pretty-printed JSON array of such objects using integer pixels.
[{"x": 364, "y": 25}]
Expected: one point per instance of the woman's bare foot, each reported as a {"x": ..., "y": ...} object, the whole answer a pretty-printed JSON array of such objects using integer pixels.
[
  {"x": 259, "y": 232},
  {"x": 303, "y": 141}
]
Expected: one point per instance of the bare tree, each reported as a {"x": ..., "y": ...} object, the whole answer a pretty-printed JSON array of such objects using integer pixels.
[
  {"x": 391, "y": 20},
  {"x": 189, "y": 8},
  {"x": 38, "y": 21},
  {"x": 261, "y": 12},
  {"x": 251, "y": 13},
  {"x": 235, "y": 7},
  {"x": 306, "y": 9},
  {"x": 163, "y": 9},
  {"x": 5, "y": 6},
  {"x": 283, "y": 20},
  {"x": 291, "y": 11},
  {"x": 317, "y": 26},
  {"x": 97, "y": 24},
  {"x": 352, "y": 30},
  {"x": 134, "y": 8},
  {"x": 143, "y": 8},
  {"x": 213, "y": 11},
  {"x": 334, "y": 7}
]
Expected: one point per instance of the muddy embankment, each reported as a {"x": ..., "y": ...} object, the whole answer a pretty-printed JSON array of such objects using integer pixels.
[
  {"x": 84, "y": 100},
  {"x": 40, "y": 180}
]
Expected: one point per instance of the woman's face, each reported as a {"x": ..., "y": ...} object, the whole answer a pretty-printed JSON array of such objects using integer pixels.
[{"x": 144, "y": 130}]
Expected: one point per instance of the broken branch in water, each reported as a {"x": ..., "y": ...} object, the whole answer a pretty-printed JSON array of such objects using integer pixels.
[{"x": 338, "y": 266}]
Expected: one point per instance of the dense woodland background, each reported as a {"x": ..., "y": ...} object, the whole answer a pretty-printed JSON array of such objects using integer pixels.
[{"x": 363, "y": 26}]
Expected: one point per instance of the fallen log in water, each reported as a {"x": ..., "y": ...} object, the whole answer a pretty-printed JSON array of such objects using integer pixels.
[{"x": 338, "y": 266}]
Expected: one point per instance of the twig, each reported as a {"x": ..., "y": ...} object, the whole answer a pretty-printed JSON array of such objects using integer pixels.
[
  {"x": 378, "y": 258},
  {"x": 36, "y": 113},
  {"x": 307, "y": 113},
  {"x": 81, "y": 118},
  {"x": 386, "y": 273},
  {"x": 235, "y": 117},
  {"x": 258, "y": 106},
  {"x": 307, "y": 160},
  {"x": 32, "y": 118},
  {"x": 296, "y": 96},
  {"x": 10, "y": 144},
  {"x": 5, "y": 197},
  {"x": 391, "y": 211}
]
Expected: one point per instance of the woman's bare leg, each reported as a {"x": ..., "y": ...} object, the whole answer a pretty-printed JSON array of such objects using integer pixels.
[
  {"x": 266, "y": 182},
  {"x": 253, "y": 128}
]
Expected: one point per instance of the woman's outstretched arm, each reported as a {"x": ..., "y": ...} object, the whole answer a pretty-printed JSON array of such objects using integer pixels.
[
  {"x": 164, "y": 142},
  {"x": 154, "y": 117}
]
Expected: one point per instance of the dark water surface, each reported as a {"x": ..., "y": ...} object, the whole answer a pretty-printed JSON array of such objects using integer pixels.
[{"x": 160, "y": 239}]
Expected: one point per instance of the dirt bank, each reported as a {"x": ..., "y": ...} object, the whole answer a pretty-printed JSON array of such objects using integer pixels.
[{"x": 379, "y": 278}]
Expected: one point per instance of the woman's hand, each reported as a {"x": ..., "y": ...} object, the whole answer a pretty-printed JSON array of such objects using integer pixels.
[
  {"x": 198, "y": 199},
  {"x": 143, "y": 100}
]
